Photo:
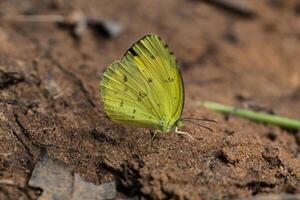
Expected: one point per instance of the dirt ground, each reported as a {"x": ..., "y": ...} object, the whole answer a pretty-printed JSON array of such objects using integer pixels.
[{"x": 49, "y": 98}]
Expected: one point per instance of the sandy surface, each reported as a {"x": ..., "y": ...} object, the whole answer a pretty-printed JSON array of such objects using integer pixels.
[{"x": 49, "y": 99}]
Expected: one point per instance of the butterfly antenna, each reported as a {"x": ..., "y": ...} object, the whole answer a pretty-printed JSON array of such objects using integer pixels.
[
  {"x": 201, "y": 119},
  {"x": 198, "y": 124},
  {"x": 185, "y": 133},
  {"x": 153, "y": 136}
]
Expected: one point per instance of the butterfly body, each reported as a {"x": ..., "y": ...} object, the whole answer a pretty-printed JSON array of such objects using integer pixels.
[{"x": 145, "y": 87}]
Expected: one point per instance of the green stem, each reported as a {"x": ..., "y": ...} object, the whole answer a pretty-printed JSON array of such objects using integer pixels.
[{"x": 252, "y": 115}]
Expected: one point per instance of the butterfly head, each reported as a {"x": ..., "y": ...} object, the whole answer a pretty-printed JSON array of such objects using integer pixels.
[
  {"x": 168, "y": 126},
  {"x": 179, "y": 123}
]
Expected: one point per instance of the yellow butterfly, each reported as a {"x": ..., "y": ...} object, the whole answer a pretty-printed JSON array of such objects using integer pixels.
[{"x": 145, "y": 88}]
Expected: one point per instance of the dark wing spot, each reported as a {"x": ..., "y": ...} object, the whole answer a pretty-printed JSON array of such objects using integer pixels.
[
  {"x": 150, "y": 117},
  {"x": 131, "y": 50},
  {"x": 142, "y": 94},
  {"x": 171, "y": 53},
  {"x": 174, "y": 98},
  {"x": 152, "y": 57},
  {"x": 139, "y": 99},
  {"x": 166, "y": 46},
  {"x": 170, "y": 79},
  {"x": 132, "y": 117},
  {"x": 149, "y": 80},
  {"x": 121, "y": 103},
  {"x": 134, "y": 110},
  {"x": 125, "y": 78}
]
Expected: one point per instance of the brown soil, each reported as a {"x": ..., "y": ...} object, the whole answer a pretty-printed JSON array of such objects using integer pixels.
[{"x": 50, "y": 99}]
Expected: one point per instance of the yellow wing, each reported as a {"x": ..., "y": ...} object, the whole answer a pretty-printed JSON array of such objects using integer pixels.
[{"x": 144, "y": 88}]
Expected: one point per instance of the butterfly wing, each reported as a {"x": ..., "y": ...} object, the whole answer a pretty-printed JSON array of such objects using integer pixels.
[{"x": 145, "y": 87}]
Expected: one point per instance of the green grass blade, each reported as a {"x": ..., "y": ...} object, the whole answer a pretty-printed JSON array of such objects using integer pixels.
[{"x": 252, "y": 115}]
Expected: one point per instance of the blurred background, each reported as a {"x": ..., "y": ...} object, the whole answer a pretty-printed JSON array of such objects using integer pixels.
[{"x": 236, "y": 52}]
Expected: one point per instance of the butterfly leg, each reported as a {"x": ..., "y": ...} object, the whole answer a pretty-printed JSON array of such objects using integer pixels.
[
  {"x": 153, "y": 134},
  {"x": 184, "y": 133}
]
